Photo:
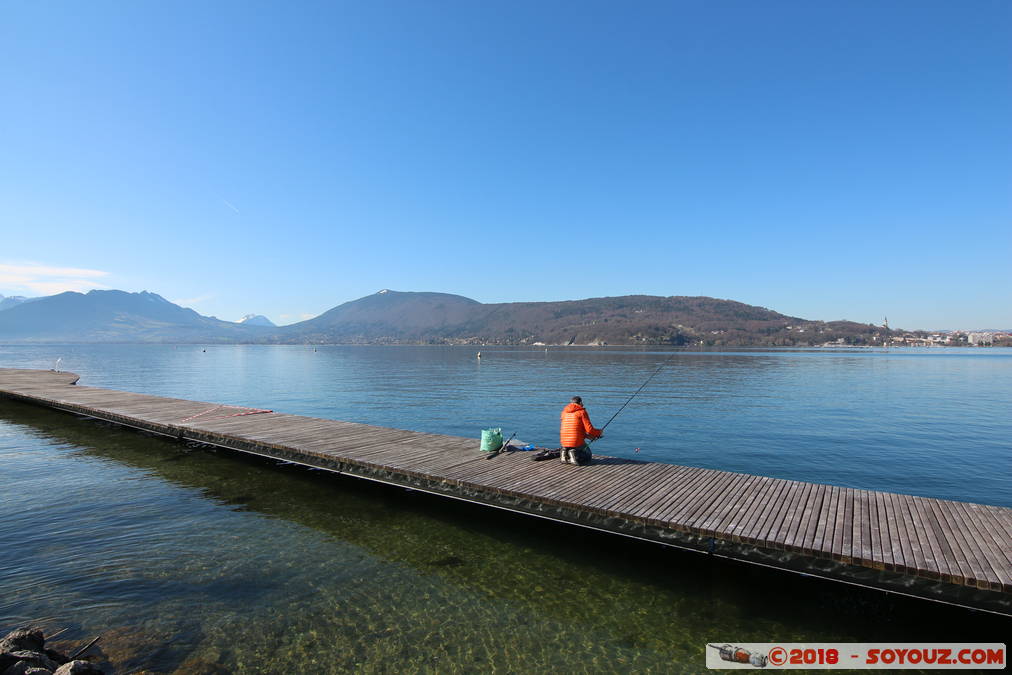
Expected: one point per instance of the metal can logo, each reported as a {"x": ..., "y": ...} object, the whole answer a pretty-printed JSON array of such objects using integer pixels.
[{"x": 734, "y": 654}]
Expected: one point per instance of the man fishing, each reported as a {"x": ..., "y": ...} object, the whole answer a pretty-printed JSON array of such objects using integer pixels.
[{"x": 574, "y": 428}]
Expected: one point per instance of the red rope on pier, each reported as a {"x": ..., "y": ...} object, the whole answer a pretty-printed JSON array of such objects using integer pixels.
[{"x": 247, "y": 411}]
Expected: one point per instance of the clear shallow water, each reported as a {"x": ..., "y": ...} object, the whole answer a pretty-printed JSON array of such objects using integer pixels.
[{"x": 186, "y": 559}]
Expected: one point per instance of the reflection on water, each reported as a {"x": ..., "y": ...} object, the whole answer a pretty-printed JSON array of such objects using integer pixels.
[{"x": 184, "y": 558}]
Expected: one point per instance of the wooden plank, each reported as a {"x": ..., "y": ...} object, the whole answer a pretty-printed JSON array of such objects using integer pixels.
[
  {"x": 680, "y": 504},
  {"x": 545, "y": 487},
  {"x": 835, "y": 545},
  {"x": 993, "y": 534},
  {"x": 396, "y": 447},
  {"x": 747, "y": 520},
  {"x": 905, "y": 562},
  {"x": 564, "y": 474},
  {"x": 779, "y": 535},
  {"x": 646, "y": 479},
  {"x": 892, "y": 552},
  {"x": 809, "y": 514},
  {"x": 980, "y": 571},
  {"x": 909, "y": 564},
  {"x": 696, "y": 482},
  {"x": 360, "y": 443},
  {"x": 646, "y": 503},
  {"x": 815, "y": 529},
  {"x": 847, "y": 546},
  {"x": 875, "y": 557},
  {"x": 424, "y": 463},
  {"x": 912, "y": 536},
  {"x": 729, "y": 525},
  {"x": 386, "y": 454},
  {"x": 952, "y": 545},
  {"x": 933, "y": 569},
  {"x": 832, "y": 522},
  {"x": 708, "y": 484},
  {"x": 498, "y": 472},
  {"x": 951, "y": 532},
  {"x": 709, "y": 500},
  {"x": 620, "y": 487},
  {"x": 860, "y": 518},
  {"x": 748, "y": 502},
  {"x": 804, "y": 508},
  {"x": 754, "y": 532},
  {"x": 821, "y": 542},
  {"x": 945, "y": 550},
  {"x": 708, "y": 518},
  {"x": 610, "y": 478},
  {"x": 682, "y": 484},
  {"x": 993, "y": 562},
  {"x": 543, "y": 474},
  {"x": 592, "y": 476},
  {"x": 864, "y": 550},
  {"x": 574, "y": 487}
]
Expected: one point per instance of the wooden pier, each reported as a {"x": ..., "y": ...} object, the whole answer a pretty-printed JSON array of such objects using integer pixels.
[{"x": 936, "y": 549}]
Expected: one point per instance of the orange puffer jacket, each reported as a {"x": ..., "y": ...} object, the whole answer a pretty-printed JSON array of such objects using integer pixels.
[{"x": 575, "y": 426}]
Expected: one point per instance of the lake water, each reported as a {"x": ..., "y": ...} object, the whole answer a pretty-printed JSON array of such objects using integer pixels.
[
  {"x": 931, "y": 422},
  {"x": 194, "y": 561}
]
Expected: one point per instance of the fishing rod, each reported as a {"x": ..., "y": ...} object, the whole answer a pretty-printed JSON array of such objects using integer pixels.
[
  {"x": 645, "y": 383},
  {"x": 502, "y": 448}
]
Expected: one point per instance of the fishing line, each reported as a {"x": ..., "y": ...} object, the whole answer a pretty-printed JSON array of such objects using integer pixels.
[{"x": 652, "y": 375}]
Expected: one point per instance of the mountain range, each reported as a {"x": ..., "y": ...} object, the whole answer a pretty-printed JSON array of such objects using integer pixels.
[
  {"x": 114, "y": 316},
  {"x": 12, "y": 301},
  {"x": 256, "y": 320},
  {"x": 393, "y": 317}
]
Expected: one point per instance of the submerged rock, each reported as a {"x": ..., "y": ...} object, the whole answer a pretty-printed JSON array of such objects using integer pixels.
[
  {"x": 201, "y": 666},
  {"x": 36, "y": 659},
  {"x": 25, "y": 668},
  {"x": 6, "y": 661},
  {"x": 23, "y": 652},
  {"x": 56, "y": 656},
  {"x": 19, "y": 639}
]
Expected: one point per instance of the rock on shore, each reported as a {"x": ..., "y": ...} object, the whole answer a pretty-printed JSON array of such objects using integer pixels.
[{"x": 23, "y": 652}]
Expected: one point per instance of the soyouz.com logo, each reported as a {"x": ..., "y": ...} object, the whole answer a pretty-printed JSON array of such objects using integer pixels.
[{"x": 855, "y": 656}]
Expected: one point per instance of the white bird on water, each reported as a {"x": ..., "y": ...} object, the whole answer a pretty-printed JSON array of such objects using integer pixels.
[{"x": 479, "y": 356}]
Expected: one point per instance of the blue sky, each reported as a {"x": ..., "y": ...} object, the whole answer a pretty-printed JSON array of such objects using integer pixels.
[{"x": 826, "y": 160}]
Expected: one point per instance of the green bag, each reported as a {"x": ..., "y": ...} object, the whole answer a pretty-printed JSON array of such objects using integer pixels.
[{"x": 491, "y": 440}]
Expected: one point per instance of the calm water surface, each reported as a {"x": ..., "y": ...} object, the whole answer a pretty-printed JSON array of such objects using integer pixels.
[
  {"x": 931, "y": 422},
  {"x": 191, "y": 561}
]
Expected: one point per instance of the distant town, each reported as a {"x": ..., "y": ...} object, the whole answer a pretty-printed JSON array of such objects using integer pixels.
[{"x": 954, "y": 338}]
